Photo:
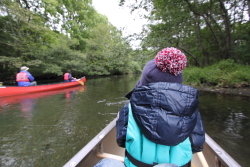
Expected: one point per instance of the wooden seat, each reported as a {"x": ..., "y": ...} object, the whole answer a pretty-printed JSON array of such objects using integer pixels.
[
  {"x": 120, "y": 158},
  {"x": 107, "y": 155}
]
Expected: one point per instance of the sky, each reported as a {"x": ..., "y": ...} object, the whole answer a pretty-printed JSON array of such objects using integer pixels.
[{"x": 119, "y": 16}]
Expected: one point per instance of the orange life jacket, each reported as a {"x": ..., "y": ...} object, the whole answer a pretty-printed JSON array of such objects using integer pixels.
[
  {"x": 66, "y": 76},
  {"x": 22, "y": 77}
]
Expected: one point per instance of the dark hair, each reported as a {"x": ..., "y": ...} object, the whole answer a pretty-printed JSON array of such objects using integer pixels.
[{"x": 69, "y": 71}]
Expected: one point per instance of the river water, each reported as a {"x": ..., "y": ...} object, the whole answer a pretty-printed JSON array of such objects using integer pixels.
[{"x": 47, "y": 129}]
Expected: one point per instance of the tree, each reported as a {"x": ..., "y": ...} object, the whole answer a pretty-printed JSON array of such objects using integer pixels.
[
  {"x": 107, "y": 51},
  {"x": 206, "y": 31}
]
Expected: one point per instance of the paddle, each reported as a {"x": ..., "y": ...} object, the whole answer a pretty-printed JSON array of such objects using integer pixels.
[
  {"x": 82, "y": 83},
  {"x": 202, "y": 159}
]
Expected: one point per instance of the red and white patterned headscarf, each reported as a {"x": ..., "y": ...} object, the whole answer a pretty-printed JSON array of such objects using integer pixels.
[{"x": 171, "y": 60}]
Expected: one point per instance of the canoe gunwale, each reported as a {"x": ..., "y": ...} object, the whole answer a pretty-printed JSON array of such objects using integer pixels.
[
  {"x": 81, "y": 155},
  {"x": 220, "y": 153},
  {"x": 217, "y": 153}
]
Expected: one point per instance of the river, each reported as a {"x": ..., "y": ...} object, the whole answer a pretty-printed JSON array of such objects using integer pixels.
[{"x": 47, "y": 129}]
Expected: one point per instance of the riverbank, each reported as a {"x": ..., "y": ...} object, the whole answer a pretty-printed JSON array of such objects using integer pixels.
[
  {"x": 243, "y": 91},
  {"x": 235, "y": 91}
]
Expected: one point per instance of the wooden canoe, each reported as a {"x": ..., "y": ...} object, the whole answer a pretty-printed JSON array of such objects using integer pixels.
[
  {"x": 16, "y": 90},
  {"x": 104, "y": 145}
]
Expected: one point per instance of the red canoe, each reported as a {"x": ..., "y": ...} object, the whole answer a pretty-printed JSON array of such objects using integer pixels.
[
  {"x": 15, "y": 90},
  {"x": 10, "y": 100}
]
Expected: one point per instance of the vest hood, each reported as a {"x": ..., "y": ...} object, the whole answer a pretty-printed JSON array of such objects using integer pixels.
[{"x": 165, "y": 112}]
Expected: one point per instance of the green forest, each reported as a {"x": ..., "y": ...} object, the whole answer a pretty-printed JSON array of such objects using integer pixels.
[{"x": 51, "y": 36}]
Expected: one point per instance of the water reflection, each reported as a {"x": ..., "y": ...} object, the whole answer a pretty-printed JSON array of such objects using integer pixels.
[
  {"x": 27, "y": 101},
  {"x": 30, "y": 141},
  {"x": 27, "y": 106},
  {"x": 226, "y": 119},
  {"x": 234, "y": 124},
  {"x": 69, "y": 94}
]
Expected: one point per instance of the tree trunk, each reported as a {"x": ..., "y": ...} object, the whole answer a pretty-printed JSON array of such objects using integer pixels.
[
  {"x": 229, "y": 44},
  {"x": 248, "y": 3},
  {"x": 209, "y": 25},
  {"x": 11, "y": 25},
  {"x": 193, "y": 56}
]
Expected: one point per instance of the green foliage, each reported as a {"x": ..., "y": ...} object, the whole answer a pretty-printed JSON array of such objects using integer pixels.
[
  {"x": 242, "y": 43},
  {"x": 192, "y": 76},
  {"x": 58, "y": 57},
  {"x": 107, "y": 51},
  {"x": 135, "y": 67},
  {"x": 207, "y": 31},
  {"x": 225, "y": 73},
  {"x": 54, "y": 36}
]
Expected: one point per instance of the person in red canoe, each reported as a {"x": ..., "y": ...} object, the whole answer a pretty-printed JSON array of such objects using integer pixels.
[
  {"x": 68, "y": 77},
  {"x": 24, "y": 78}
]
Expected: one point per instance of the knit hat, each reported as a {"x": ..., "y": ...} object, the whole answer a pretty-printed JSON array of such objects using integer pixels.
[
  {"x": 24, "y": 68},
  {"x": 171, "y": 60}
]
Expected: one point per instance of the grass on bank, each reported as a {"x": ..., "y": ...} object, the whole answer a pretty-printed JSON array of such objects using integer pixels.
[{"x": 225, "y": 73}]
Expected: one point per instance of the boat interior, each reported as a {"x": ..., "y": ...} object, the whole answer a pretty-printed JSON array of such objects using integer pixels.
[{"x": 104, "y": 146}]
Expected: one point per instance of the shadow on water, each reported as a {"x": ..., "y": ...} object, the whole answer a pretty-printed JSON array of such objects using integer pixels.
[{"x": 47, "y": 130}]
